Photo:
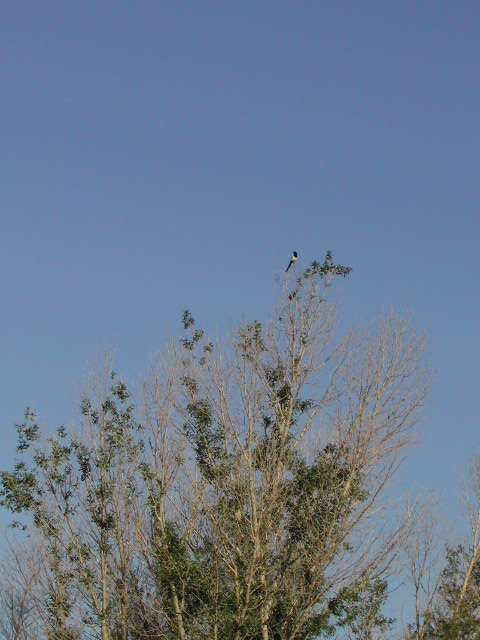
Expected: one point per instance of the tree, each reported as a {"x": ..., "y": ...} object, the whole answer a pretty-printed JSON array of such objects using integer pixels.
[
  {"x": 245, "y": 496},
  {"x": 294, "y": 441},
  {"x": 452, "y": 611},
  {"x": 77, "y": 491},
  {"x": 424, "y": 565},
  {"x": 18, "y": 602}
]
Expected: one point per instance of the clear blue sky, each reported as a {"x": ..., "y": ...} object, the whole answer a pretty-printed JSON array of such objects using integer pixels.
[{"x": 163, "y": 155}]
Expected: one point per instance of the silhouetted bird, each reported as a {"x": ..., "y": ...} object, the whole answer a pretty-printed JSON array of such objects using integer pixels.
[{"x": 292, "y": 260}]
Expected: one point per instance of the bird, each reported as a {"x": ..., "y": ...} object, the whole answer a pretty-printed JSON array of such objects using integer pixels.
[{"x": 292, "y": 260}]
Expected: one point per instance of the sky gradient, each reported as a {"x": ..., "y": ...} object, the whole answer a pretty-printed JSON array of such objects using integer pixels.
[{"x": 158, "y": 156}]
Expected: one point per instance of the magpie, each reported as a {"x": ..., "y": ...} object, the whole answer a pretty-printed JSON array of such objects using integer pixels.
[{"x": 292, "y": 260}]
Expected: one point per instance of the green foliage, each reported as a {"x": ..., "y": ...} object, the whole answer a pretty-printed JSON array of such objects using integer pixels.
[
  {"x": 451, "y": 620},
  {"x": 328, "y": 268},
  {"x": 67, "y": 477},
  {"x": 316, "y": 273},
  {"x": 206, "y": 438},
  {"x": 250, "y": 340},
  {"x": 200, "y": 428},
  {"x": 320, "y": 494},
  {"x": 187, "y": 319},
  {"x": 196, "y": 335},
  {"x": 359, "y": 606}
]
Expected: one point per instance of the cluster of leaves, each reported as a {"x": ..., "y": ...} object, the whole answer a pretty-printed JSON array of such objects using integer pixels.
[
  {"x": 327, "y": 268},
  {"x": 321, "y": 494}
]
